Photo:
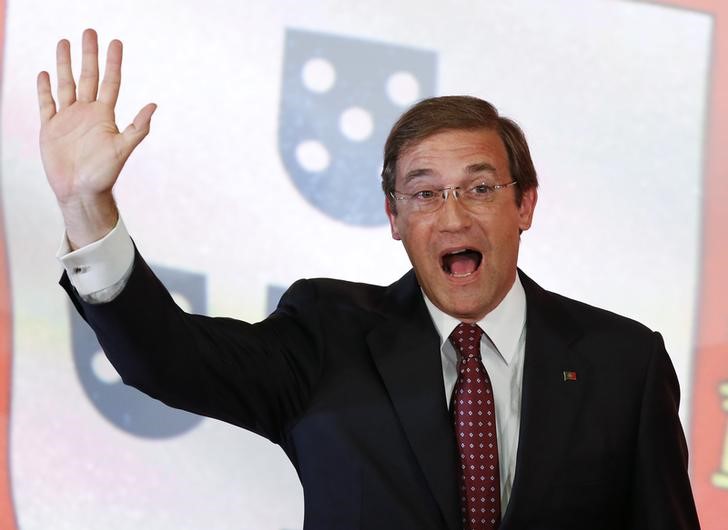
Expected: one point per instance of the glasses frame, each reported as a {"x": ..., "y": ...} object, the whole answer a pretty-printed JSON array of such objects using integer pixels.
[{"x": 456, "y": 192}]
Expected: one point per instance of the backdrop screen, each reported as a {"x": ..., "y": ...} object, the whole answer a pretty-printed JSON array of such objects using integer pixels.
[{"x": 262, "y": 167}]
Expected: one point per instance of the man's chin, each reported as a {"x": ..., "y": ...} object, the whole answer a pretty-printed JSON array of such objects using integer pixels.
[{"x": 463, "y": 300}]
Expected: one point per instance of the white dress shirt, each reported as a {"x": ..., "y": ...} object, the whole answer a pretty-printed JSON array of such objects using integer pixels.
[
  {"x": 502, "y": 349},
  {"x": 99, "y": 272}
]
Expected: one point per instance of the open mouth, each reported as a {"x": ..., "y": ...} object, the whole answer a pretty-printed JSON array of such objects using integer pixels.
[{"x": 461, "y": 263}]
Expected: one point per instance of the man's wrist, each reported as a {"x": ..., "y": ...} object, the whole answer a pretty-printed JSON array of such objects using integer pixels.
[{"x": 89, "y": 218}]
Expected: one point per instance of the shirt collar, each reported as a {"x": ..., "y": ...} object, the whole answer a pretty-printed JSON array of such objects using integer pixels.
[{"x": 503, "y": 325}]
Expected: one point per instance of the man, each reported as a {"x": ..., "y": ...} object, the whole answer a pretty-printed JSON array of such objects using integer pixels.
[{"x": 461, "y": 396}]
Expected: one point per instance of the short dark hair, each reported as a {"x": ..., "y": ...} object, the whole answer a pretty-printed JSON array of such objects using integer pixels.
[{"x": 434, "y": 115}]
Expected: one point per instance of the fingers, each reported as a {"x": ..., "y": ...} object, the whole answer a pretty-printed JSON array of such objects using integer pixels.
[
  {"x": 66, "y": 85},
  {"x": 88, "y": 83},
  {"x": 139, "y": 128},
  {"x": 109, "y": 90},
  {"x": 45, "y": 98}
]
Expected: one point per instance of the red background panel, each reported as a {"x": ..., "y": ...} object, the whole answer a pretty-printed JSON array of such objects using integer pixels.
[
  {"x": 709, "y": 415},
  {"x": 7, "y": 513}
]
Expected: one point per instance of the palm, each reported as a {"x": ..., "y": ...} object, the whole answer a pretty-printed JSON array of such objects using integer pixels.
[{"x": 82, "y": 149}]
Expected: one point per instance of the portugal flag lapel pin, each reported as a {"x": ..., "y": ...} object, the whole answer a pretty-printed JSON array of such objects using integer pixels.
[{"x": 569, "y": 375}]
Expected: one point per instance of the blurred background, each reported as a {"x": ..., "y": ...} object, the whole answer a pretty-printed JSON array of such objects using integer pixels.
[{"x": 262, "y": 167}]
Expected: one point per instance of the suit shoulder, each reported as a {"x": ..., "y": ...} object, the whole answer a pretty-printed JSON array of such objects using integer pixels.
[
  {"x": 595, "y": 318},
  {"x": 335, "y": 293},
  {"x": 559, "y": 308}
]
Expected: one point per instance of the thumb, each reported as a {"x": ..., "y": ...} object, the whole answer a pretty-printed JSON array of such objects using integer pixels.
[{"x": 139, "y": 128}]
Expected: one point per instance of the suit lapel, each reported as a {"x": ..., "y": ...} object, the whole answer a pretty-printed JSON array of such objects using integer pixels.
[
  {"x": 548, "y": 403},
  {"x": 405, "y": 348}
]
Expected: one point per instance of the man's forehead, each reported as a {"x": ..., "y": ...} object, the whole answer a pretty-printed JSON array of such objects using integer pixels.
[{"x": 468, "y": 151}]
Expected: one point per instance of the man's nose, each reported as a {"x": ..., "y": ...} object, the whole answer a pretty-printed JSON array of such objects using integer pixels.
[{"x": 453, "y": 216}]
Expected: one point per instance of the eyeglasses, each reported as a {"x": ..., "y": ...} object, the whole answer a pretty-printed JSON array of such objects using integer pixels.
[{"x": 474, "y": 198}]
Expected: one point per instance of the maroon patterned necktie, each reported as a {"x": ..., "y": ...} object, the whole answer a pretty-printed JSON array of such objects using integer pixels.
[{"x": 474, "y": 418}]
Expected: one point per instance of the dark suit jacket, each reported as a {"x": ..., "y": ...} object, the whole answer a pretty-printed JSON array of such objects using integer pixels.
[{"x": 347, "y": 379}]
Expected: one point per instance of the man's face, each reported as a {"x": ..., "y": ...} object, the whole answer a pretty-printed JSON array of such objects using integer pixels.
[{"x": 464, "y": 258}]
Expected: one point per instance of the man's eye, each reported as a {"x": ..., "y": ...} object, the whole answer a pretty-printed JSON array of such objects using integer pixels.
[
  {"x": 424, "y": 195},
  {"x": 481, "y": 189}
]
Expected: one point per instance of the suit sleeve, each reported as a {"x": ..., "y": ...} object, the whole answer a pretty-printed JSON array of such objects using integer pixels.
[
  {"x": 258, "y": 376},
  {"x": 662, "y": 496}
]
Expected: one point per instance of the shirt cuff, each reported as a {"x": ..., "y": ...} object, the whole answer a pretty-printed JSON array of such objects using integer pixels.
[{"x": 100, "y": 265}]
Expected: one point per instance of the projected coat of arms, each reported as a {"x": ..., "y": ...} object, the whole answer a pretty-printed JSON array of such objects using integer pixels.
[{"x": 339, "y": 97}]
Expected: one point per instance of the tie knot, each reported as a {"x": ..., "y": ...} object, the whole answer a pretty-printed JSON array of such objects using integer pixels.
[{"x": 466, "y": 339}]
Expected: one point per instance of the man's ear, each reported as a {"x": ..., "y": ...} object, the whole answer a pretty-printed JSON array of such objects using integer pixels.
[
  {"x": 392, "y": 215},
  {"x": 527, "y": 207}
]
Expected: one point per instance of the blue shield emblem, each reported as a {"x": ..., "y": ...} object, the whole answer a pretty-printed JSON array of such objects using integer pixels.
[{"x": 339, "y": 98}]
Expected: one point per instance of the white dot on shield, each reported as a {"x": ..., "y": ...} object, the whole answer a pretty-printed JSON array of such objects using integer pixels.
[
  {"x": 318, "y": 75},
  {"x": 312, "y": 156}
]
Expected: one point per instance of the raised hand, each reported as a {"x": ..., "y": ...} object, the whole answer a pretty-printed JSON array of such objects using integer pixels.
[{"x": 82, "y": 149}]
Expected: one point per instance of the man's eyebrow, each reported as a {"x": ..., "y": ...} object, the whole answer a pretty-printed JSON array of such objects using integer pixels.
[
  {"x": 480, "y": 167},
  {"x": 414, "y": 173}
]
